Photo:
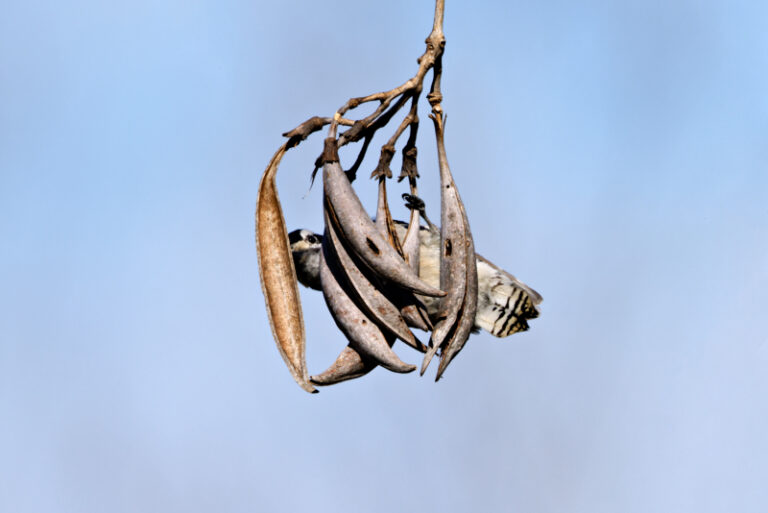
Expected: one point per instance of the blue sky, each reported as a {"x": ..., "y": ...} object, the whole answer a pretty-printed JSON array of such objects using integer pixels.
[{"x": 610, "y": 154}]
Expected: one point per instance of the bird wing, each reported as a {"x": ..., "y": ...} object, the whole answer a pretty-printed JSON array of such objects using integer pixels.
[{"x": 505, "y": 304}]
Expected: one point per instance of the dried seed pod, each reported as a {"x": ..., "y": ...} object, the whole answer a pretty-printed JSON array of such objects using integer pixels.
[
  {"x": 458, "y": 272},
  {"x": 415, "y": 315},
  {"x": 363, "y": 334},
  {"x": 453, "y": 269},
  {"x": 413, "y": 310},
  {"x": 468, "y": 311},
  {"x": 371, "y": 299},
  {"x": 411, "y": 241},
  {"x": 278, "y": 276},
  {"x": 348, "y": 365},
  {"x": 362, "y": 235},
  {"x": 384, "y": 219}
]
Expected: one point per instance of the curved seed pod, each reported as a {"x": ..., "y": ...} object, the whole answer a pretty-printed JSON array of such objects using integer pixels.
[
  {"x": 278, "y": 276},
  {"x": 457, "y": 257},
  {"x": 469, "y": 309},
  {"x": 384, "y": 218},
  {"x": 363, "y": 334},
  {"x": 348, "y": 365},
  {"x": 414, "y": 312},
  {"x": 362, "y": 235},
  {"x": 416, "y": 317},
  {"x": 376, "y": 304},
  {"x": 381, "y": 208},
  {"x": 411, "y": 241},
  {"x": 433, "y": 347},
  {"x": 453, "y": 267},
  {"x": 411, "y": 308}
]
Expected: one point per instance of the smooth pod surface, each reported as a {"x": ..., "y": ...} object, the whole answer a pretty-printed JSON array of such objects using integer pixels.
[
  {"x": 457, "y": 260},
  {"x": 376, "y": 304},
  {"x": 384, "y": 218},
  {"x": 348, "y": 365},
  {"x": 411, "y": 241},
  {"x": 363, "y": 236},
  {"x": 363, "y": 334},
  {"x": 413, "y": 310},
  {"x": 468, "y": 311}
]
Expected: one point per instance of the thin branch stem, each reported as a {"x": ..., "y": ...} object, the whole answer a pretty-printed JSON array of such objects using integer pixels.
[{"x": 439, "y": 12}]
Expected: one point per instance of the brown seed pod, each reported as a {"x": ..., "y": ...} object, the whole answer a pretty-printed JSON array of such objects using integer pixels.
[
  {"x": 348, "y": 365},
  {"x": 412, "y": 242},
  {"x": 362, "y": 235},
  {"x": 278, "y": 276},
  {"x": 413, "y": 310},
  {"x": 458, "y": 272},
  {"x": 363, "y": 334},
  {"x": 371, "y": 299},
  {"x": 468, "y": 310},
  {"x": 384, "y": 219},
  {"x": 415, "y": 314}
]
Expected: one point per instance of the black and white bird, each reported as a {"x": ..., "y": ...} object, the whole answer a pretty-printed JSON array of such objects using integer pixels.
[{"x": 504, "y": 303}]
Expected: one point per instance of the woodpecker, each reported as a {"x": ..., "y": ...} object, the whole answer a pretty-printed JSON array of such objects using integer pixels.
[{"x": 504, "y": 303}]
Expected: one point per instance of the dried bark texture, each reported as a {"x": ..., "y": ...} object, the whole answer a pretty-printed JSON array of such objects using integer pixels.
[{"x": 278, "y": 276}]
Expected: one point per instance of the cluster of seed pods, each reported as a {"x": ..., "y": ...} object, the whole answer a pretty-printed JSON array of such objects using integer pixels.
[
  {"x": 369, "y": 276},
  {"x": 371, "y": 287}
]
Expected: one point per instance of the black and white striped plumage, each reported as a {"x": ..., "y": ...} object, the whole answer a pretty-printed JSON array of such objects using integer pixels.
[{"x": 504, "y": 306}]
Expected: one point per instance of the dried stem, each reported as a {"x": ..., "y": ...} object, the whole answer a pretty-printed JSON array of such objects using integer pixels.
[{"x": 365, "y": 127}]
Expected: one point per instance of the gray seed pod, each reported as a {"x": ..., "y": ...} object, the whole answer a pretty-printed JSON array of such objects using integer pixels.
[
  {"x": 363, "y": 334},
  {"x": 363, "y": 237}
]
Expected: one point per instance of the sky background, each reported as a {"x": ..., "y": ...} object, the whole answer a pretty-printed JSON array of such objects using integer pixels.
[{"x": 612, "y": 155}]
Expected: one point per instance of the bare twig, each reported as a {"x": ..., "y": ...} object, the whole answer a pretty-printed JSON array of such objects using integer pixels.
[{"x": 311, "y": 125}]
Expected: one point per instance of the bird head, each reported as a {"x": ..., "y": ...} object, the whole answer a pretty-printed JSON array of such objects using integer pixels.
[{"x": 305, "y": 248}]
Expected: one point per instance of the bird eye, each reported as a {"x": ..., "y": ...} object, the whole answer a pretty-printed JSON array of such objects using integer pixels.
[{"x": 312, "y": 239}]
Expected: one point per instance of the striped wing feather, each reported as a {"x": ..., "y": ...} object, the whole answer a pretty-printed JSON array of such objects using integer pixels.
[{"x": 505, "y": 304}]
